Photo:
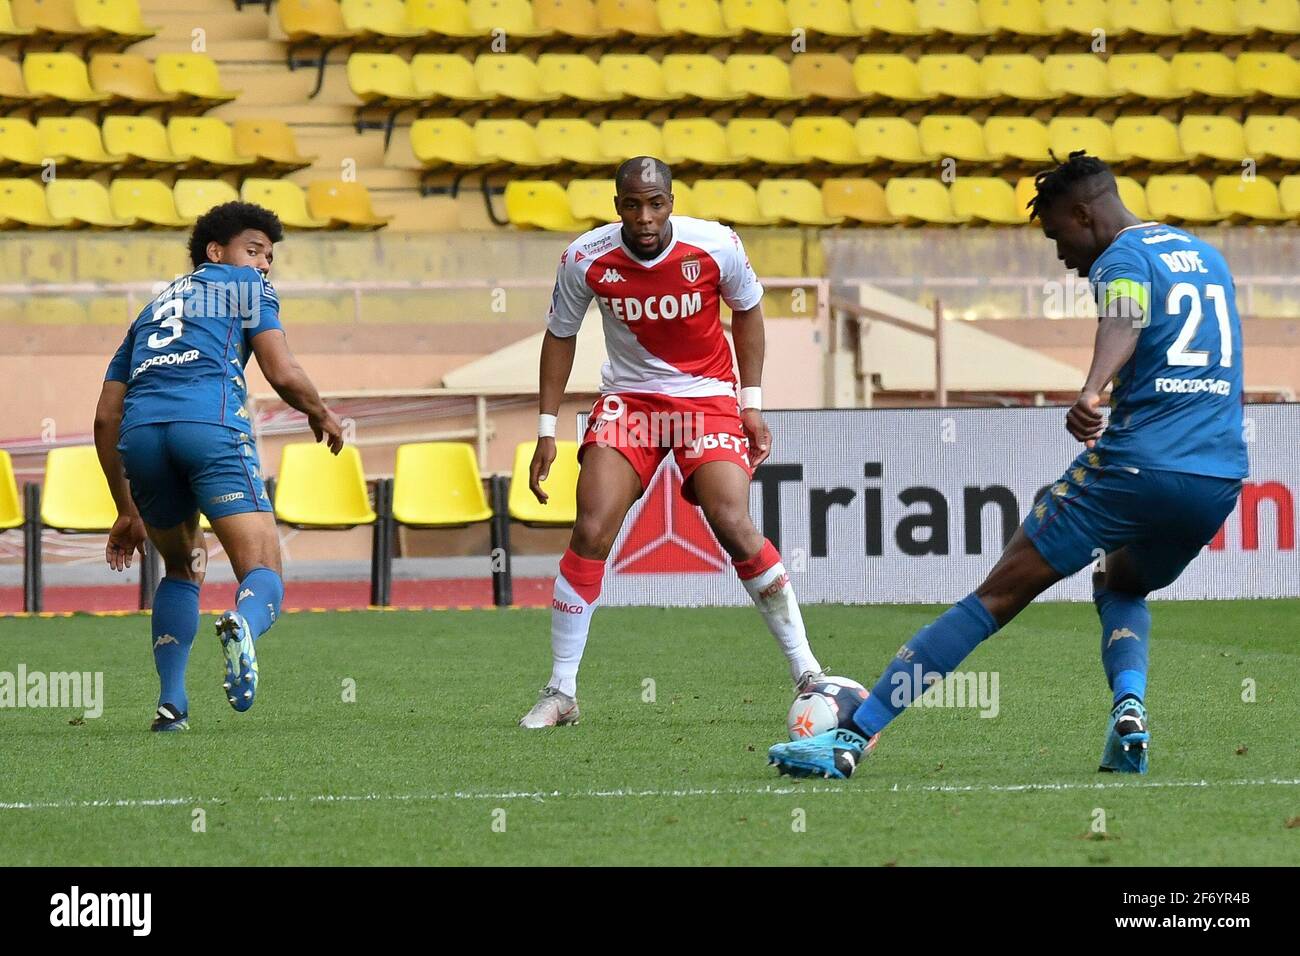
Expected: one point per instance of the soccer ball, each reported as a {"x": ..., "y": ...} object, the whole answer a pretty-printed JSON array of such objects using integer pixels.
[{"x": 823, "y": 707}]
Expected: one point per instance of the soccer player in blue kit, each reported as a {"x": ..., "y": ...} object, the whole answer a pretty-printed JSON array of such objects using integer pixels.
[
  {"x": 174, "y": 439},
  {"x": 1149, "y": 490}
]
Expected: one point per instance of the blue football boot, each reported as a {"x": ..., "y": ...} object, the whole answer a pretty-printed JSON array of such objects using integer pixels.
[
  {"x": 241, "y": 660},
  {"x": 1127, "y": 738},
  {"x": 834, "y": 754},
  {"x": 169, "y": 718}
]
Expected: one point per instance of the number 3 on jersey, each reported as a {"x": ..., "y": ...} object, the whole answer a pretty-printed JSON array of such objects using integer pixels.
[
  {"x": 1179, "y": 353},
  {"x": 168, "y": 315}
]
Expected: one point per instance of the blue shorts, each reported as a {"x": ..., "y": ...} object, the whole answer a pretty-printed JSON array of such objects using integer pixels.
[
  {"x": 1163, "y": 517},
  {"x": 178, "y": 468}
]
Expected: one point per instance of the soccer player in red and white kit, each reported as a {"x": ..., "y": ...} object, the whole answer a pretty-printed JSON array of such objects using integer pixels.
[{"x": 659, "y": 281}]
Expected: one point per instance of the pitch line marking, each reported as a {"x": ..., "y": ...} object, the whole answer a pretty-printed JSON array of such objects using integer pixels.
[{"x": 543, "y": 795}]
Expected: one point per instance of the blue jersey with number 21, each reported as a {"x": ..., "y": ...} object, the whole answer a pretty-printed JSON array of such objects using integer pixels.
[
  {"x": 1176, "y": 405},
  {"x": 183, "y": 358}
]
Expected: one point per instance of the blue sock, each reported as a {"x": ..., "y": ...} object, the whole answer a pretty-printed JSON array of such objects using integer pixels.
[
  {"x": 258, "y": 600},
  {"x": 936, "y": 649},
  {"x": 1125, "y": 634},
  {"x": 175, "y": 622}
]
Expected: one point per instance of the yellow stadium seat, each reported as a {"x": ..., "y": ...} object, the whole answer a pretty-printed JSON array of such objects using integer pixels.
[
  {"x": 1144, "y": 76},
  {"x": 1068, "y": 133},
  {"x": 143, "y": 140},
  {"x": 1210, "y": 74},
  {"x": 1273, "y": 137},
  {"x": 891, "y": 139},
  {"x": 915, "y": 200},
  {"x": 634, "y": 76},
  {"x": 683, "y": 200},
  {"x": 1080, "y": 17},
  {"x": 284, "y": 198},
  {"x": 888, "y": 76},
  {"x": 593, "y": 199},
  {"x": 1212, "y": 137},
  {"x": 895, "y": 19},
  {"x": 764, "y": 141},
  {"x": 210, "y": 141},
  {"x": 1213, "y": 18},
  {"x": 796, "y": 201},
  {"x": 1151, "y": 18},
  {"x": 761, "y": 77},
  {"x": 316, "y": 489},
  {"x": 20, "y": 145},
  {"x": 53, "y": 310},
  {"x": 514, "y": 17},
  {"x": 1182, "y": 199},
  {"x": 636, "y": 20},
  {"x": 825, "y": 139},
  {"x": 343, "y": 204},
  {"x": 1243, "y": 199},
  {"x": 304, "y": 21},
  {"x": 541, "y": 204},
  {"x": 699, "y": 141},
  {"x": 10, "y": 28},
  {"x": 1016, "y": 77},
  {"x": 958, "y": 137},
  {"x": 381, "y": 21},
  {"x": 445, "y": 77},
  {"x": 117, "y": 19},
  {"x": 980, "y": 199},
  {"x": 955, "y": 18},
  {"x": 561, "y": 487},
  {"x": 951, "y": 76},
  {"x": 1020, "y": 138},
  {"x": 1279, "y": 17},
  {"x": 1152, "y": 139},
  {"x": 575, "y": 141},
  {"x": 510, "y": 141},
  {"x": 60, "y": 76},
  {"x": 11, "y": 506},
  {"x": 695, "y": 18},
  {"x": 573, "y": 77},
  {"x": 76, "y": 138},
  {"x": 84, "y": 201},
  {"x": 447, "y": 142},
  {"x": 861, "y": 200},
  {"x": 127, "y": 77},
  {"x": 381, "y": 78},
  {"x": 193, "y": 76},
  {"x": 1288, "y": 191},
  {"x": 1133, "y": 196},
  {"x": 146, "y": 200},
  {"x": 824, "y": 76},
  {"x": 511, "y": 76},
  {"x": 194, "y": 197},
  {"x": 437, "y": 485},
  {"x": 271, "y": 143},
  {"x": 757, "y": 18},
  {"x": 829, "y": 18},
  {"x": 13, "y": 89},
  {"x": 445, "y": 21},
  {"x": 22, "y": 201},
  {"x": 698, "y": 77},
  {"x": 1015, "y": 18},
  {"x": 55, "y": 19},
  {"x": 571, "y": 18},
  {"x": 1080, "y": 76},
  {"x": 729, "y": 200},
  {"x": 623, "y": 139},
  {"x": 1269, "y": 75},
  {"x": 75, "y": 497}
]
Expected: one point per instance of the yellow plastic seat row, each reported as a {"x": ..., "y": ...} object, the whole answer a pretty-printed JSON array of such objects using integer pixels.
[
  {"x": 114, "y": 21},
  {"x": 184, "y": 80}
]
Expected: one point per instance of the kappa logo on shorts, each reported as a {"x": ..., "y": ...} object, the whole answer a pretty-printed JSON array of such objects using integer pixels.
[{"x": 222, "y": 499}]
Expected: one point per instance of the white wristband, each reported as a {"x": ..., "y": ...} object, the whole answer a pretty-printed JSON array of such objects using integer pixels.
[
  {"x": 751, "y": 397},
  {"x": 545, "y": 426}
]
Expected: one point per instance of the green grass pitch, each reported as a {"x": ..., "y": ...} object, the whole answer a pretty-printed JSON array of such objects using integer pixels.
[{"x": 426, "y": 766}]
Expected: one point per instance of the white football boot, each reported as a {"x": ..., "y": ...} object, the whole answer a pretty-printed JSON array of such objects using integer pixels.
[{"x": 553, "y": 709}]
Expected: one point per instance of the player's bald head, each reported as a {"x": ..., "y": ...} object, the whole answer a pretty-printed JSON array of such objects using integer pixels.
[{"x": 643, "y": 174}]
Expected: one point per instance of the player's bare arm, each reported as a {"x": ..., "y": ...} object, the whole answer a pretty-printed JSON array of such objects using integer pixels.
[
  {"x": 127, "y": 534},
  {"x": 291, "y": 383},
  {"x": 1117, "y": 338},
  {"x": 747, "y": 335},
  {"x": 557, "y": 363}
]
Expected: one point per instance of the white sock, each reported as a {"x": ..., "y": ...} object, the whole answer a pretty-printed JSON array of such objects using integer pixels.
[
  {"x": 570, "y": 620},
  {"x": 773, "y": 595}
]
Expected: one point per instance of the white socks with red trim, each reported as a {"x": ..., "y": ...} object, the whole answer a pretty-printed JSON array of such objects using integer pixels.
[
  {"x": 577, "y": 590},
  {"x": 765, "y": 578}
]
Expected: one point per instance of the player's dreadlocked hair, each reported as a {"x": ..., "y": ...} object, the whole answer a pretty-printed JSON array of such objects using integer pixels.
[
  {"x": 643, "y": 169},
  {"x": 1054, "y": 183},
  {"x": 222, "y": 223}
]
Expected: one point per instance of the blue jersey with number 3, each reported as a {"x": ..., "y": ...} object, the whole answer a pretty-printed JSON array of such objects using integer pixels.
[
  {"x": 183, "y": 358},
  {"x": 1176, "y": 405}
]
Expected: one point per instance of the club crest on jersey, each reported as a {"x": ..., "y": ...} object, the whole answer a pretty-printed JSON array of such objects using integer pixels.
[{"x": 690, "y": 268}]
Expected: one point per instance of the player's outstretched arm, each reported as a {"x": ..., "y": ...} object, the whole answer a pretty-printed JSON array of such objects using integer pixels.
[
  {"x": 1117, "y": 337},
  {"x": 557, "y": 363},
  {"x": 747, "y": 334},
  {"x": 292, "y": 384},
  {"x": 127, "y": 534}
]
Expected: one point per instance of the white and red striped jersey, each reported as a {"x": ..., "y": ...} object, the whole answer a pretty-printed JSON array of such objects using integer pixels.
[{"x": 663, "y": 326}]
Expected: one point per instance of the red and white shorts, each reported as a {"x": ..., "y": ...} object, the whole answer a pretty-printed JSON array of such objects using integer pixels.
[{"x": 646, "y": 427}]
